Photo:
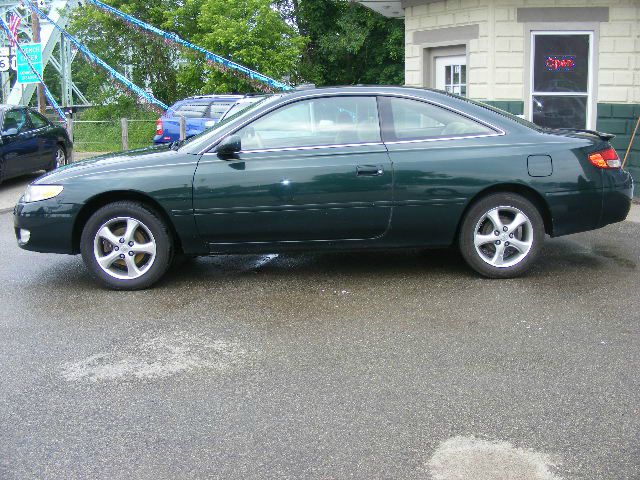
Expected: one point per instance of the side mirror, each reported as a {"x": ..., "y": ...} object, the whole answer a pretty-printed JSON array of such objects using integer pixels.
[{"x": 229, "y": 146}]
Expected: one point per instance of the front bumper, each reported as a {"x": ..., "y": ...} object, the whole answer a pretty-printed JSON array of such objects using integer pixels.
[{"x": 50, "y": 226}]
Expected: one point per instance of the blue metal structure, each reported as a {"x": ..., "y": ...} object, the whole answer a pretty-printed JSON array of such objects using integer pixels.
[
  {"x": 146, "y": 96},
  {"x": 253, "y": 75},
  {"x": 47, "y": 93}
]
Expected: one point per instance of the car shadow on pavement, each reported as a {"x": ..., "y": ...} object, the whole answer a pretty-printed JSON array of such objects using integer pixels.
[{"x": 367, "y": 264}]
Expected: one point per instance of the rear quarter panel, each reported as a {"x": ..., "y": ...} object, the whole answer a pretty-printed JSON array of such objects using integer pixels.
[{"x": 435, "y": 182}]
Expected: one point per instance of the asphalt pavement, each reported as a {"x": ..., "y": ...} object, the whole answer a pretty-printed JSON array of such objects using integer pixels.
[{"x": 345, "y": 365}]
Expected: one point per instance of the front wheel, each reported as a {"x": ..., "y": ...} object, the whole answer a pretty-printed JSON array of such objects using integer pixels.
[
  {"x": 126, "y": 246},
  {"x": 501, "y": 235}
]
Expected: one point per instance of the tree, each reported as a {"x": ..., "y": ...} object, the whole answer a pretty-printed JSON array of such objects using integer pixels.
[
  {"x": 348, "y": 43},
  {"x": 249, "y": 32},
  {"x": 143, "y": 59}
]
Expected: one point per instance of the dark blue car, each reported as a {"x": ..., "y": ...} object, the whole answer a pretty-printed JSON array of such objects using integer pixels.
[
  {"x": 29, "y": 142},
  {"x": 200, "y": 112}
]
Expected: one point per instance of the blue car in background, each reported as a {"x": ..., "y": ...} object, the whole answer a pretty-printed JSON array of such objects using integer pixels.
[{"x": 200, "y": 112}]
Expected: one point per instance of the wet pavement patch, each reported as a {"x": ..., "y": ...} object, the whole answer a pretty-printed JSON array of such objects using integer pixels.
[
  {"x": 472, "y": 458},
  {"x": 156, "y": 357}
]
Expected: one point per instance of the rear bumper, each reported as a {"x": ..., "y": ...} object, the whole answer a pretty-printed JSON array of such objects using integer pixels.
[
  {"x": 616, "y": 197},
  {"x": 160, "y": 139},
  {"x": 50, "y": 232}
]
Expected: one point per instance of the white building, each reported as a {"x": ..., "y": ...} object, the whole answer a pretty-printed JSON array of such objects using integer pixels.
[{"x": 561, "y": 63}]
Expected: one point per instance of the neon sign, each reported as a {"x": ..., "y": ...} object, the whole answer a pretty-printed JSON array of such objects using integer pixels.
[{"x": 561, "y": 63}]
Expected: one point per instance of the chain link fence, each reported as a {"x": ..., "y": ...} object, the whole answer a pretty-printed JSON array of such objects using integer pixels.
[{"x": 102, "y": 136}]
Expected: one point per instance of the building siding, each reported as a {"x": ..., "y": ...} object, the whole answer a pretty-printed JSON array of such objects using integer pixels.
[{"x": 496, "y": 59}]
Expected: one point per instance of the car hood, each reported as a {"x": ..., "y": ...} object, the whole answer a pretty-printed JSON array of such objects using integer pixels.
[{"x": 159, "y": 154}]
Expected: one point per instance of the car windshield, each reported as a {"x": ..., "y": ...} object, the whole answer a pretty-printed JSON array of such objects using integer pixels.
[{"x": 227, "y": 119}]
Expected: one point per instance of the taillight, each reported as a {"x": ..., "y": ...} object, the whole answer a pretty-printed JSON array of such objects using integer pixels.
[
  {"x": 607, "y": 158},
  {"x": 159, "y": 126}
]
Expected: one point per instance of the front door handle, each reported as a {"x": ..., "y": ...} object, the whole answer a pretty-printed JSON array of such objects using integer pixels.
[{"x": 369, "y": 170}]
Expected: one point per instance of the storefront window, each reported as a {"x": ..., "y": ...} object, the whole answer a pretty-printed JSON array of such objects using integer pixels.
[
  {"x": 560, "y": 111},
  {"x": 561, "y": 92}
]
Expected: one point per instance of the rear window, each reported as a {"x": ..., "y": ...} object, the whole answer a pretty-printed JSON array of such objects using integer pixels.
[
  {"x": 218, "y": 109},
  {"x": 214, "y": 110},
  {"x": 191, "y": 110},
  {"x": 499, "y": 111}
]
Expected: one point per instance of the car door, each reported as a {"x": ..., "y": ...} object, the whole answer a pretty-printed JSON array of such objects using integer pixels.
[
  {"x": 47, "y": 141},
  {"x": 312, "y": 170},
  {"x": 19, "y": 144}
]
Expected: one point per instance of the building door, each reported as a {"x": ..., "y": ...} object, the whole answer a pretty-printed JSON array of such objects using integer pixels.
[
  {"x": 451, "y": 74},
  {"x": 561, "y": 77}
]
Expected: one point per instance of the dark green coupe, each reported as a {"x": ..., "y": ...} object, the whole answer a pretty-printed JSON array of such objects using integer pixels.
[{"x": 333, "y": 168}]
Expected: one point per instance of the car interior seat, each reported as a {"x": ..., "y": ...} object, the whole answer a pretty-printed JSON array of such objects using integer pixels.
[{"x": 455, "y": 128}]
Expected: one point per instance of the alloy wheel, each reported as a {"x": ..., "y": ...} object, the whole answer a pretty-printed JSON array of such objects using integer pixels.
[
  {"x": 503, "y": 236},
  {"x": 61, "y": 158},
  {"x": 124, "y": 248}
]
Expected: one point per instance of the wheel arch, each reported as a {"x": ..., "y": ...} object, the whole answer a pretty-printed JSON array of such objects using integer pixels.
[
  {"x": 105, "y": 198},
  {"x": 524, "y": 190}
]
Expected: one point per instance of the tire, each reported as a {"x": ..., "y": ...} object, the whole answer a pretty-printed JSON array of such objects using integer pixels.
[
  {"x": 513, "y": 250},
  {"x": 59, "y": 158},
  {"x": 126, "y": 246}
]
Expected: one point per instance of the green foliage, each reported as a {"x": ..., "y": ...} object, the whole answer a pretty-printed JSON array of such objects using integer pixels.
[
  {"x": 326, "y": 42},
  {"x": 106, "y": 136},
  {"x": 144, "y": 59},
  {"x": 348, "y": 43},
  {"x": 249, "y": 32}
]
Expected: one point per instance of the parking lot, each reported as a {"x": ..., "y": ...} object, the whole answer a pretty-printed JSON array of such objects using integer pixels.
[{"x": 341, "y": 365}]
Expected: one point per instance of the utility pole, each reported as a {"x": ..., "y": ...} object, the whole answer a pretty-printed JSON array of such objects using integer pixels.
[{"x": 35, "y": 35}]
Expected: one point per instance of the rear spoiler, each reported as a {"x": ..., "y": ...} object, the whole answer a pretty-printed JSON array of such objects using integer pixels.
[{"x": 602, "y": 135}]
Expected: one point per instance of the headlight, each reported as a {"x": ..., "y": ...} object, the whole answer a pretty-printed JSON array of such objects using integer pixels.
[{"x": 35, "y": 193}]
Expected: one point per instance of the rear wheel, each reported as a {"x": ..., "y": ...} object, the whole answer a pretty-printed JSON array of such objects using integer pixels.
[
  {"x": 501, "y": 235},
  {"x": 126, "y": 246},
  {"x": 59, "y": 158}
]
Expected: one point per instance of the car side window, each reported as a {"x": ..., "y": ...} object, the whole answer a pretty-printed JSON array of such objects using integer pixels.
[
  {"x": 315, "y": 122},
  {"x": 37, "y": 120},
  {"x": 15, "y": 121},
  {"x": 407, "y": 119}
]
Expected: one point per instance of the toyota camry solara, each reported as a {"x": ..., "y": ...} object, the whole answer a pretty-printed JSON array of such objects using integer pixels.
[{"x": 333, "y": 168}]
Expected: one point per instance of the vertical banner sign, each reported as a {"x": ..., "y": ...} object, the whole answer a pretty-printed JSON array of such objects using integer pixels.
[{"x": 25, "y": 73}]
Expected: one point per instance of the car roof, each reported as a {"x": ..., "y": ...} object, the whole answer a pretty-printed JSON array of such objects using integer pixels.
[{"x": 213, "y": 97}]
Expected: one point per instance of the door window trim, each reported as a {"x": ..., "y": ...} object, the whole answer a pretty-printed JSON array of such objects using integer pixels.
[
  {"x": 591, "y": 33},
  {"x": 209, "y": 150}
]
